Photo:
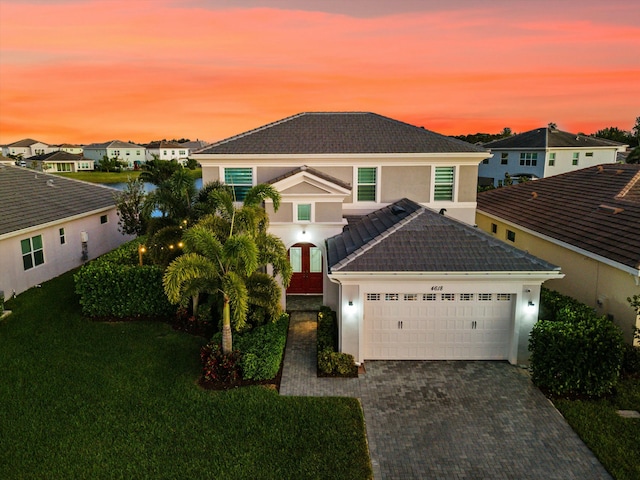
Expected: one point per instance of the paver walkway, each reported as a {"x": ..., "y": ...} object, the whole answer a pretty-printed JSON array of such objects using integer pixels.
[{"x": 447, "y": 419}]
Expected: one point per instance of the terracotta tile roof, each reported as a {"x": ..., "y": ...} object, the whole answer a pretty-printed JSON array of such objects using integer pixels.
[
  {"x": 312, "y": 171},
  {"x": 596, "y": 209},
  {"x": 339, "y": 132},
  {"x": 406, "y": 237},
  {"x": 30, "y": 198},
  {"x": 546, "y": 137}
]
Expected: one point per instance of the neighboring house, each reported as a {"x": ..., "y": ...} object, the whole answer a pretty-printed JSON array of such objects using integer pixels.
[
  {"x": 133, "y": 155},
  {"x": 164, "y": 150},
  {"x": 60, "y": 161},
  {"x": 27, "y": 148},
  {"x": 544, "y": 152},
  {"x": 194, "y": 145},
  {"x": 588, "y": 222},
  {"x": 70, "y": 148},
  {"x": 346, "y": 178},
  {"x": 50, "y": 225}
]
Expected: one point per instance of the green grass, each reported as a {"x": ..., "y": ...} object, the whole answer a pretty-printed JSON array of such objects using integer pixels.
[
  {"x": 114, "y": 177},
  {"x": 82, "y": 399},
  {"x": 613, "y": 439}
]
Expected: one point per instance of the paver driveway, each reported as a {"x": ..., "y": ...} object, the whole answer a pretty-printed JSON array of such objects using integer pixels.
[{"x": 460, "y": 420}]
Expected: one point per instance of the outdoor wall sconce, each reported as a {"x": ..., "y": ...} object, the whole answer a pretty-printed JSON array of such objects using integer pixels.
[
  {"x": 350, "y": 303},
  {"x": 531, "y": 304}
]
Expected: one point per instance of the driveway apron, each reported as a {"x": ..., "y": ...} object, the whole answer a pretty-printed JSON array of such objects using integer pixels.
[{"x": 447, "y": 419}]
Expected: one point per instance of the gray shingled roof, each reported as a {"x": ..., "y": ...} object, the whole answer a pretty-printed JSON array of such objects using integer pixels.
[
  {"x": 312, "y": 171},
  {"x": 417, "y": 239},
  {"x": 112, "y": 144},
  {"x": 31, "y": 198},
  {"x": 546, "y": 137},
  {"x": 26, "y": 142},
  {"x": 58, "y": 156},
  {"x": 339, "y": 132},
  {"x": 596, "y": 209}
]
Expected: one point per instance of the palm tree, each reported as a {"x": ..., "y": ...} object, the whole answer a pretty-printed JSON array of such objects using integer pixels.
[{"x": 225, "y": 252}]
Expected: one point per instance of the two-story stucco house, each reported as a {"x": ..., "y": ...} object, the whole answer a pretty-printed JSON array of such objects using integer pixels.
[
  {"x": 377, "y": 216},
  {"x": 544, "y": 152},
  {"x": 133, "y": 155},
  {"x": 164, "y": 150},
  {"x": 50, "y": 225},
  {"x": 27, "y": 148}
]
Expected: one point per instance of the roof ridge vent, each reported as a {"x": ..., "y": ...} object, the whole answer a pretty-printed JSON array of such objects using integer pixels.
[{"x": 609, "y": 209}]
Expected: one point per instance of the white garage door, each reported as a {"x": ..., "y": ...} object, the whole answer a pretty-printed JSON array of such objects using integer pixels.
[{"x": 437, "y": 326}]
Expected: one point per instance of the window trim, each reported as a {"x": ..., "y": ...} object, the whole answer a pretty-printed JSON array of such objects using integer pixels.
[
  {"x": 504, "y": 158},
  {"x": 454, "y": 184},
  {"x": 62, "y": 234},
  {"x": 575, "y": 159},
  {"x": 35, "y": 261},
  {"x": 104, "y": 219},
  {"x": 511, "y": 235},
  {"x": 552, "y": 159},
  {"x": 296, "y": 212},
  {"x": 223, "y": 176},
  {"x": 376, "y": 185},
  {"x": 530, "y": 157}
]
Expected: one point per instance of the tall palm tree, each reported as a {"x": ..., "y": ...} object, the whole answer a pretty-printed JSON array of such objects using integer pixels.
[{"x": 224, "y": 252}]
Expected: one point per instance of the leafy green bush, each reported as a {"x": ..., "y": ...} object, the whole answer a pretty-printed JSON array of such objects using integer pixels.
[
  {"x": 577, "y": 354},
  {"x": 631, "y": 361},
  {"x": 262, "y": 349},
  {"x": 115, "y": 286},
  {"x": 331, "y": 362}
]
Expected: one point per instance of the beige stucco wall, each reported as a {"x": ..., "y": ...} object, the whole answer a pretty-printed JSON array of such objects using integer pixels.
[
  {"x": 328, "y": 212},
  {"x": 284, "y": 213},
  {"x": 58, "y": 258},
  {"x": 210, "y": 174},
  {"x": 266, "y": 174},
  {"x": 468, "y": 183},
  {"x": 401, "y": 182},
  {"x": 586, "y": 279}
]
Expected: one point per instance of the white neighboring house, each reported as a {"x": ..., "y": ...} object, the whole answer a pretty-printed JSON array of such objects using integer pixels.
[
  {"x": 27, "y": 147},
  {"x": 60, "y": 161},
  {"x": 359, "y": 215},
  {"x": 544, "y": 152},
  {"x": 167, "y": 151},
  {"x": 133, "y": 155},
  {"x": 70, "y": 148},
  {"x": 50, "y": 225}
]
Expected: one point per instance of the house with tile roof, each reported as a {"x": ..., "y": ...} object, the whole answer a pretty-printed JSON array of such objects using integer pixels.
[
  {"x": 164, "y": 150},
  {"x": 50, "y": 225},
  {"x": 353, "y": 186},
  {"x": 587, "y": 222},
  {"x": 26, "y": 148},
  {"x": 544, "y": 152},
  {"x": 60, "y": 161},
  {"x": 133, "y": 155}
]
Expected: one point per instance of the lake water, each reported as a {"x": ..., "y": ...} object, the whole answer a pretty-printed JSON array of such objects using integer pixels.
[{"x": 148, "y": 187}]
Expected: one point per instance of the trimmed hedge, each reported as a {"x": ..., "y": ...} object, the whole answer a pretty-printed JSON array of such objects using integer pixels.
[
  {"x": 331, "y": 362},
  {"x": 115, "y": 286},
  {"x": 575, "y": 352},
  {"x": 260, "y": 350}
]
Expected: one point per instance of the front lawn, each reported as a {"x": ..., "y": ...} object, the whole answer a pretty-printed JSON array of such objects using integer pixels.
[
  {"x": 82, "y": 399},
  {"x": 613, "y": 439}
]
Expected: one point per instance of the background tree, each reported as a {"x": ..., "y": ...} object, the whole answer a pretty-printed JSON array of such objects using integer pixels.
[
  {"x": 156, "y": 171},
  {"x": 110, "y": 164},
  {"x": 133, "y": 210}
]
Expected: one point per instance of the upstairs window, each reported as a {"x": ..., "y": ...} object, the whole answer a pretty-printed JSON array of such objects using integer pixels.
[
  {"x": 367, "y": 178},
  {"x": 552, "y": 159},
  {"x": 63, "y": 239},
  {"x": 443, "y": 185},
  {"x": 576, "y": 158},
  {"x": 304, "y": 212},
  {"x": 241, "y": 179},
  {"x": 32, "y": 252},
  {"x": 504, "y": 158},
  {"x": 588, "y": 154},
  {"x": 529, "y": 159}
]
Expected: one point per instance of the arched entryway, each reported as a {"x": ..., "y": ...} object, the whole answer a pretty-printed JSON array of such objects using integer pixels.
[{"x": 306, "y": 261}]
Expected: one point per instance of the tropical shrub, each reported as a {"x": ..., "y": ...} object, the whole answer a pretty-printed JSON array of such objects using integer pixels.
[
  {"x": 115, "y": 286},
  {"x": 631, "y": 361},
  {"x": 576, "y": 353},
  {"x": 331, "y": 362},
  {"x": 219, "y": 367}
]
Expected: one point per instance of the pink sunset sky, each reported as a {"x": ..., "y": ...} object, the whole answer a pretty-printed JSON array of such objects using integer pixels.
[{"x": 79, "y": 71}]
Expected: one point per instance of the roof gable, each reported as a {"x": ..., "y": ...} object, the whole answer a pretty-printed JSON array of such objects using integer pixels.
[
  {"x": 31, "y": 198},
  {"x": 420, "y": 240},
  {"x": 339, "y": 133},
  {"x": 595, "y": 209},
  {"x": 308, "y": 180}
]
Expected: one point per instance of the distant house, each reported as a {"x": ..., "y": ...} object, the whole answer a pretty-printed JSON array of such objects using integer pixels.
[
  {"x": 544, "y": 152},
  {"x": 27, "y": 148},
  {"x": 164, "y": 150},
  {"x": 133, "y": 155},
  {"x": 194, "y": 145},
  {"x": 60, "y": 161},
  {"x": 50, "y": 225},
  {"x": 586, "y": 221},
  {"x": 361, "y": 197},
  {"x": 70, "y": 148}
]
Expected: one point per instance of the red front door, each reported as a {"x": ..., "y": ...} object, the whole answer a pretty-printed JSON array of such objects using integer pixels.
[{"x": 306, "y": 261}]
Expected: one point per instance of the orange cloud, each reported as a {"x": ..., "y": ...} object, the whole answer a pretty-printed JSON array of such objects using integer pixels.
[{"x": 140, "y": 70}]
